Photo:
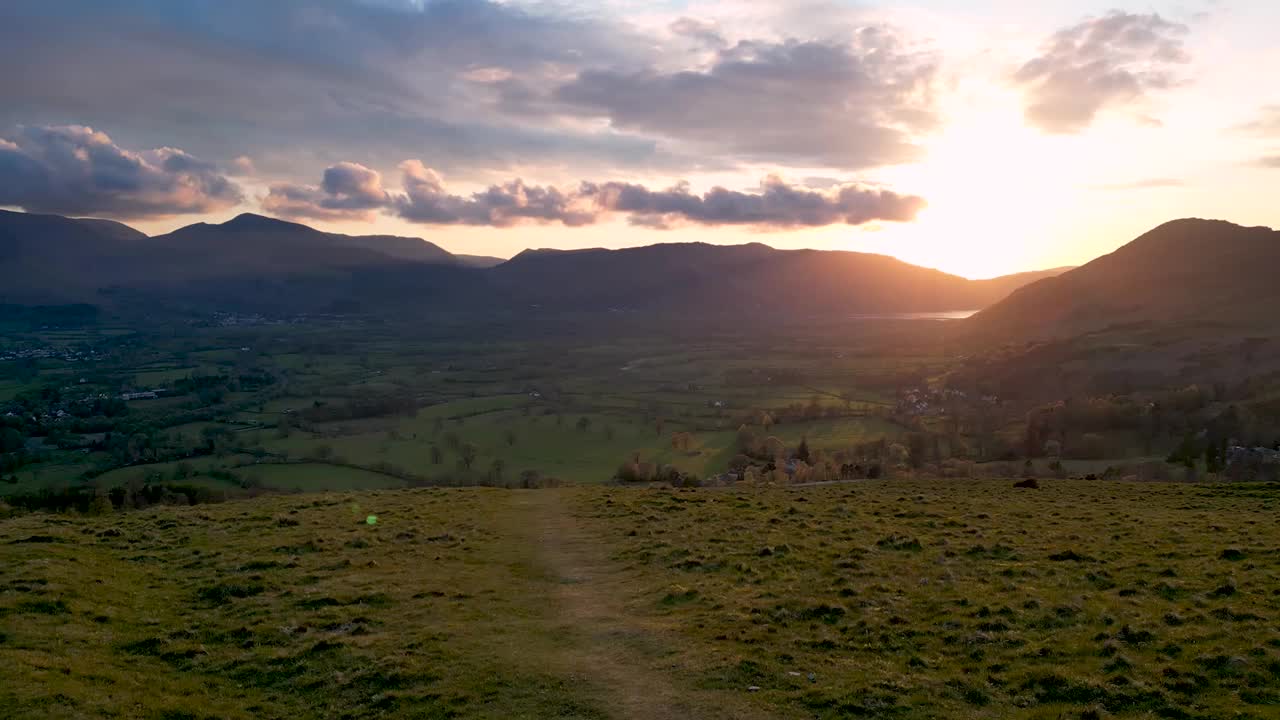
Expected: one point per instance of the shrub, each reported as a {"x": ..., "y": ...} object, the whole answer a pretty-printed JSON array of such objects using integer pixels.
[{"x": 224, "y": 593}]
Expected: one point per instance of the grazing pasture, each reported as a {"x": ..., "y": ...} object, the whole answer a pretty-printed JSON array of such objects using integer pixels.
[{"x": 902, "y": 599}]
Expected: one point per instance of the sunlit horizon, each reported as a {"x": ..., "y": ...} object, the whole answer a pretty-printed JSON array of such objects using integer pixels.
[{"x": 980, "y": 148}]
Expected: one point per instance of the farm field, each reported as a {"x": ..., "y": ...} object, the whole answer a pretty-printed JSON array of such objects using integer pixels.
[
  {"x": 898, "y": 598},
  {"x": 238, "y": 405}
]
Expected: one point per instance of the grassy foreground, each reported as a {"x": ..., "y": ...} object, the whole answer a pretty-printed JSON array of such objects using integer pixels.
[{"x": 887, "y": 599}]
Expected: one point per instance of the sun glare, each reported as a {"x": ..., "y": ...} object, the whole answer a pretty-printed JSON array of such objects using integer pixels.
[{"x": 995, "y": 189}]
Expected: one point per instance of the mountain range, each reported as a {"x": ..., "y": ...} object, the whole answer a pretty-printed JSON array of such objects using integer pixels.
[
  {"x": 257, "y": 262},
  {"x": 1204, "y": 272}
]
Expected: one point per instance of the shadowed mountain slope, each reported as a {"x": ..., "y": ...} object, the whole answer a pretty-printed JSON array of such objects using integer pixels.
[{"x": 1191, "y": 273}]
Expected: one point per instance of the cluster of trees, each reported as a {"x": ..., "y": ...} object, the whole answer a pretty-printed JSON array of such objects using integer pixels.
[
  {"x": 135, "y": 495},
  {"x": 772, "y": 461},
  {"x": 814, "y": 409},
  {"x": 1184, "y": 422},
  {"x": 637, "y": 470}
]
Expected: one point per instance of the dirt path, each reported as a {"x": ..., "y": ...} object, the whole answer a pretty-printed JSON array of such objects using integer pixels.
[{"x": 628, "y": 665}]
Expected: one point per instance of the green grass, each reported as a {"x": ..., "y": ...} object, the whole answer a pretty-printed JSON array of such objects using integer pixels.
[
  {"x": 310, "y": 477},
  {"x": 896, "y": 599},
  {"x": 165, "y": 377},
  {"x": 10, "y": 389},
  {"x": 967, "y": 600},
  {"x": 289, "y": 607}
]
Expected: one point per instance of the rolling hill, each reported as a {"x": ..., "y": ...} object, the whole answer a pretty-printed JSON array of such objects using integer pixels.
[{"x": 1191, "y": 273}]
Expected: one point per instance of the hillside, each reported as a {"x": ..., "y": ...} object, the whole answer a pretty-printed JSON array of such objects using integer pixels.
[
  {"x": 563, "y": 603},
  {"x": 1190, "y": 273},
  {"x": 735, "y": 277},
  {"x": 53, "y": 259}
]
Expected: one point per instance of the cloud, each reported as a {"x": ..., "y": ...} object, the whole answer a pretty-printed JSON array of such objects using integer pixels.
[
  {"x": 348, "y": 191},
  {"x": 76, "y": 170},
  {"x": 1105, "y": 62},
  {"x": 849, "y": 105},
  {"x": 1272, "y": 161},
  {"x": 476, "y": 85},
  {"x": 244, "y": 167},
  {"x": 303, "y": 83},
  {"x": 777, "y": 205},
  {"x": 1147, "y": 184},
  {"x": 426, "y": 201},
  {"x": 702, "y": 32},
  {"x": 1266, "y": 125},
  {"x": 352, "y": 192}
]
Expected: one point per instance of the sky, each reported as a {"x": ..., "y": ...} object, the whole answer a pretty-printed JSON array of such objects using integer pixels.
[{"x": 981, "y": 137}]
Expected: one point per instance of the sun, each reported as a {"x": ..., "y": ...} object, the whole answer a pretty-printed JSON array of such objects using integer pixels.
[{"x": 996, "y": 189}]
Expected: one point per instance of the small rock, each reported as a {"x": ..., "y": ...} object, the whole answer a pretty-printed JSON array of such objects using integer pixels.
[{"x": 753, "y": 688}]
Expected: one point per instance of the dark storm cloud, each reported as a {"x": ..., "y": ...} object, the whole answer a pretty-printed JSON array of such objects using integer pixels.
[
  {"x": 1110, "y": 61},
  {"x": 75, "y": 170},
  {"x": 425, "y": 199},
  {"x": 852, "y": 104}
]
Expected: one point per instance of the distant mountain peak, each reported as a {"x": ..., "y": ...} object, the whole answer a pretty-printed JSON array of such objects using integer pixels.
[{"x": 253, "y": 221}]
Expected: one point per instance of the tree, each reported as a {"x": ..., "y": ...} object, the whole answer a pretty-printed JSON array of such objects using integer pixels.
[
  {"x": 323, "y": 451},
  {"x": 899, "y": 455},
  {"x": 10, "y": 440},
  {"x": 511, "y": 437},
  {"x": 583, "y": 423},
  {"x": 468, "y": 454},
  {"x": 101, "y": 505},
  {"x": 1211, "y": 463},
  {"x": 496, "y": 469},
  {"x": 802, "y": 452},
  {"x": 436, "y": 455}
]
